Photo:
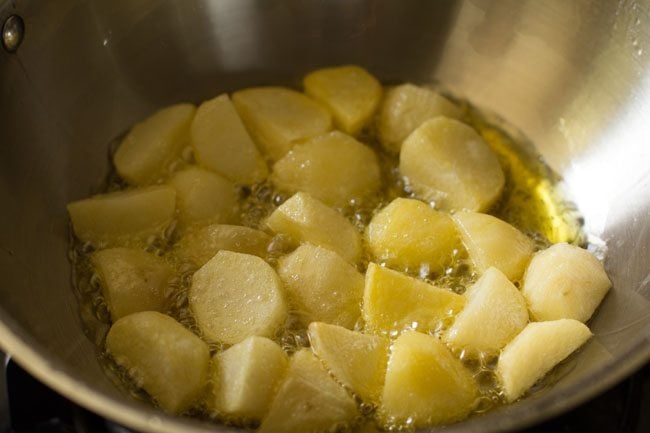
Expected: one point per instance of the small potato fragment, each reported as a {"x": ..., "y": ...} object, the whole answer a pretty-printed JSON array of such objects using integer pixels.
[
  {"x": 424, "y": 382},
  {"x": 408, "y": 234},
  {"x": 350, "y": 93},
  {"x": 132, "y": 280},
  {"x": 164, "y": 358},
  {"x": 495, "y": 312},
  {"x": 406, "y": 107},
  {"x": 234, "y": 296},
  {"x": 222, "y": 144},
  {"x": 357, "y": 360},
  {"x": 276, "y": 116},
  {"x": 125, "y": 217},
  {"x": 306, "y": 219},
  {"x": 493, "y": 242},
  {"x": 146, "y": 152},
  {"x": 393, "y": 301},
  {"x": 535, "y": 351},
  {"x": 446, "y": 161},
  {"x": 246, "y": 376},
  {"x": 564, "y": 282},
  {"x": 333, "y": 168},
  {"x": 322, "y": 286}
]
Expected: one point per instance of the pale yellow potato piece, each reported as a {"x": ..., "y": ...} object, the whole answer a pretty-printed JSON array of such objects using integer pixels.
[
  {"x": 426, "y": 383},
  {"x": 322, "y": 286},
  {"x": 306, "y": 219},
  {"x": 495, "y": 312},
  {"x": 123, "y": 217},
  {"x": 393, "y": 301},
  {"x": 564, "y": 282},
  {"x": 234, "y": 296},
  {"x": 145, "y": 154},
  {"x": 333, "y": 168},
  {"x": 406, "y": 107},
  {"x": 164, "y": 358},
  {"x": 409, "y": 234},
  {"x": 493, "y": 242},
  {"x": 277, "y": 116},
  {"x": 222, "y": 144},
  {"x": 535, "y": 351},
  {"x": 350, "y": 93},
  {"x": 246, "y": 376},
  {"x": 357, "y": 360},
  {"x": 446, "y": 161},
  {"x": 309, "y": 400},
  {"x": 132, "y": 280}
]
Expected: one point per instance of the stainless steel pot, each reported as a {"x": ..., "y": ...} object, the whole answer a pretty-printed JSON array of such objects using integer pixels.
[{"x": 574, "y": 77}]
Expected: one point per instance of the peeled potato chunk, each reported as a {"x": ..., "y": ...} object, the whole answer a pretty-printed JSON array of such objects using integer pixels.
[
  {"x": 234, "y": 296},
  {"x": 322, "y": 286},
  {"x": 350, "y": 92},
  {"x": 493, "y": 242},
  {"x": 145, "y": 154},
  {"x": 495, "y": 312},
  {"x": 564, "y": 282},
  {"x": 276, "y": 116},
  {"x": 306, "y": 219},
  {"x": 123, "y": 217},
  {"x": 222, "y": 144},
  {"x": 246, "y": 376},
  {"x": 410, "y": 234},
  {"x": 163, "y": 357},
  {"x": 406, "y": 107},
  {"x": 446, "y": 161},
  {"x": 132, "y": 280},
  {"x": 535, "y": 351},
  {"x": 333, "y": 168},
  {"x": 357, "y": 360},
  {"x": 424, "y": 382},
  {"x": 308, "y": 400},
  {"x": 394, "y": 301}
]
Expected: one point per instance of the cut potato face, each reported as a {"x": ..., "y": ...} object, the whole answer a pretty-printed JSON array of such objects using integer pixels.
[
  {"x": 276, "y": 116},
  {"x": 164, "y": 358},
  {"x": 318, "y": 165},
  {"x": 234, "y": 296},
  {"x": 537, "y": 349},
  {"x": 446, "y": 161},
  {"x": 350, "y": 93},
  {"x": 564, "y": 282},
  {"x": 222, "y": 144},
  {"x": 151, "y": 146}
]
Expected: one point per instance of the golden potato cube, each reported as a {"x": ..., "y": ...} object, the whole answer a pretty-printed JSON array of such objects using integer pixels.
[
  {"x": 164, "y": 358},
  {"x": 322, "y": 286},
  {"x": 306, "y": 219},
  {"x": 234, "y": 296},
  {"x": 357, "y": 360},
  {"x": 132, "y": 280},
  {"x": 493, "y": 242},
  {"x": 446, "y": 161},
  {"x": 424, "y": 382},
  {"x": 535, "y": 351},
  {"x": 350, "y": 93},
  {"x": 123, "y": 217},
  {"x": 222, "y": 144},
  {"x": 408, "y": 234},
  {"x": 145, "y": 154},
  {"x": 246, "y": 376},
  {"x": 333, "y": 168},
  {"x": 564, "y": 282},
  {"x": 276, "y": 116}
]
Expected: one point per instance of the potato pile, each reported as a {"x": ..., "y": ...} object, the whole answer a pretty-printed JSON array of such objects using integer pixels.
[{"x": 383, "y": 339}]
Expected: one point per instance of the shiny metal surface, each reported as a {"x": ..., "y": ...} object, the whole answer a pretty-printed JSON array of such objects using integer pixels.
[
  {"x": 13, "y": 31},
  {"x": 573, "y": 77}
]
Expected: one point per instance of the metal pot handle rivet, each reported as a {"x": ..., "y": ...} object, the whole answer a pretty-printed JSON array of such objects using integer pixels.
[{"x": 13, "y": 31}]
